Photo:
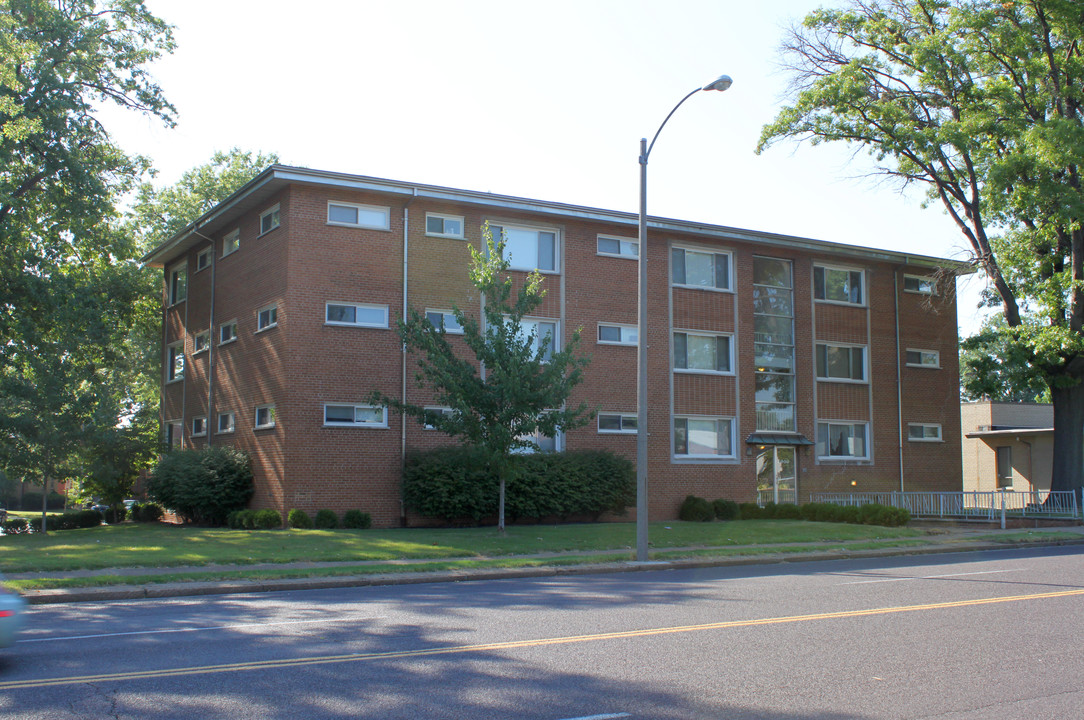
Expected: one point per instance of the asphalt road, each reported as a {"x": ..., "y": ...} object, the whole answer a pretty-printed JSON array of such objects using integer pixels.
[{"x": 961, "y": 636}]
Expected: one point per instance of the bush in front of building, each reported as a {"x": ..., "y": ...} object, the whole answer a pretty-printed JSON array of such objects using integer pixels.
[
  {"x": 357, "y": 520},
  {"x": 326, "y": 520},
  {"x": 696, "y": 509},
  {"x": 146, "y": 512},
  {"x": 299, "y": 519},
  {"x": 73, "y": 520},
  {"x": 455, "y": 484},
  {"x": 203, "y": 486},
  {"x": 16, "y": 526},
  {"x": 241, "y": 519},
  {"x": 725, "y": 509},
  {"x": 267, "y": 519}
]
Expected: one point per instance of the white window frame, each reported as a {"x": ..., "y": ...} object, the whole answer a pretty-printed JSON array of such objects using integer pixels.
[
  {"x": 233, "y": 332},
  {"x": 231, "y": 423},
  {"x": 201, "y": 420},
  {"x": 840, "y": 346},
  {"x": 367, "y": 306},
  {"x": 714, "y": 287},
  {"x": 274, "y": 310},
  {"x": 204, "y": 258},
  {"x": 628, "y": 248},
  {"x": 703, "y": 334},
  {"x": 355, "y": 424},
  {"x": 936, "y": 354},
  {"x": 269, "y": 422},
  {"x": 198, "y": 338},
  {"x": 175, "y": 370},
  {"x": 731, "y": 424},
  {"x": 555, "y": 339},
  {"x": 445, "y": 317},
  {"x": 444, "y": 233},
  {"x": 558, "y": 443},
  {"x": 622, "y": 418},
  {"x": 633, "y": 329},
  {"x": 842, "y": 458},
  {"x": 513, "y": 264},
  {"x": 363, "y": 211},
  {"x": 924, "y": 427},
  {"x": 275, "y": 215},
  {"x": 840, "y": 268},
  {"x": 921, "y": 279},
  {"x": 447, "y": 411},
  {"x": 231, "y": 242},
  {"x": 179, "y": 270}
]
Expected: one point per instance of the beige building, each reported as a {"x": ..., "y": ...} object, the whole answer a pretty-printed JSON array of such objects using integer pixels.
[{"x": 1007, "y": 445}]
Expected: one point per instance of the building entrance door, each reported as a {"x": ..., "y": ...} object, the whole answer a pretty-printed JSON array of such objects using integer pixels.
[{"x": 777, "y": 474}]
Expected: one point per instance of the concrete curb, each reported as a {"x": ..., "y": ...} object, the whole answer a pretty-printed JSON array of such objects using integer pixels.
[{"x": 189, "y": 589}]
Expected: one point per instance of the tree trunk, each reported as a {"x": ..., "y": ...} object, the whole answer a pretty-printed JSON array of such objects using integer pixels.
[
  {"x": 1068, "y": 466},
  {"x": 44, "y": 503},
  {"x": 501, "y": 473}
]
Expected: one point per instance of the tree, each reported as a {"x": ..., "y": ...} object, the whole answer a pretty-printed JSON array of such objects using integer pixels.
[
  {"x": 993, "y": 366},
  {"x": 68, "y": 278},
  {"x": 116, "y": 455},
  {"x": 980, "y": 102},
  {"x": 516, "y": 384}
]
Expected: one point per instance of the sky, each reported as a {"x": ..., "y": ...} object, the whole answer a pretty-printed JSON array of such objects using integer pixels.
[{"x": 539, "y": 100}]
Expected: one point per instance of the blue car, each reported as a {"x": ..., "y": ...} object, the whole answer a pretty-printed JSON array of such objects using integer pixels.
[{"x": 12, "y": 606}]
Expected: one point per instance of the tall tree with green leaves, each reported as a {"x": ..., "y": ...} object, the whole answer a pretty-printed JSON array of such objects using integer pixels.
[
  {"x": 513, "y": 384},
  {"x": 981, "y": 103},
  {"x": 68, "y": 276}
]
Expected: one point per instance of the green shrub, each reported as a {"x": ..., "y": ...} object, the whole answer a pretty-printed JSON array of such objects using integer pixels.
[
  {"x": 16, "y": 526},
  {"x": 784, "y": 511},
  {"x": 203, "y": 486},
  {"x": 299, "y": 519},
  {"x": 241, "y": 520},
  {"x": 326, "y": 520},
  {"x": 456, "y": 484},
  {"x": 750, "y": 511},
  {"x": 357, "y": 520},
  {"x": 67, "y": 521},
  {"x": 696, "y": 509},
  {"x": 725, "y": 509},
  {"x": 31, "y": 501},
  {"x": 267, "y": 519},
  {"x": 146, "y": 512},
  {"x": 115, "y": 515}
]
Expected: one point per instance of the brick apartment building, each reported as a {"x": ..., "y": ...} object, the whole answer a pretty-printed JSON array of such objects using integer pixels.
[{"x": 779, "y": 365}]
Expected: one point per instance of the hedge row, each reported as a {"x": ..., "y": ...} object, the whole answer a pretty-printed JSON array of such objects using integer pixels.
[
  {"x": 56, "y": 521},
  {"x": 328, "y": 520},
  {"x": 698, "y": 509},
  {"x": 456, "y": 484}
]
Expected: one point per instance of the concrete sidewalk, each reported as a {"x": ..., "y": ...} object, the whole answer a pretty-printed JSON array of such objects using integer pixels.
[{"x": 946, "y": 540}]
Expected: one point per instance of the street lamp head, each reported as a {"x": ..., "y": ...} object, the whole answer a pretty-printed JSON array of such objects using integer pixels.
[{"x": 721, "y": 83}]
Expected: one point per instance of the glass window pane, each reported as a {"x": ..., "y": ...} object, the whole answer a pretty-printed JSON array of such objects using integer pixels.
[
  {"x": 374, "y": 416},
  {"x": 339, "y": 413},
  {"x": 703, "y": 437},
  {"x": 547, "y": 251},
  {"x": 722, "y": 271},
  {"x": 768, "y": 271},
  {"x": 342, "y": 214},
  {"x": 773, "y": 301},
  {"x": 774, "y": 358},
  {"x": 434, "y": 225},
  {"x": 681, "y": 436},
  {"x": 699, "y": 269},
  {"x": 677, "y": 258},
  {"x": 521, "y": 248},
  {"x": 629, "y": 247},
  {"x": 774, "y": 388},
  {"x": 722, "y": 354},
  {"x": 609, "y": 422},
  {"x": 372, "y": 217},
  {"x": 341, "y": 313},
  {"x": 700, "y": 352},
  {"x": 370, "y": 316},
  {"x": 609, "y": 245},
  {"x": 609, "y": 333}
]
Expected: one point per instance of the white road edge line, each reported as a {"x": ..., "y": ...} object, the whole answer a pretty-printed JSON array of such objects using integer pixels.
[
  {"x": 176, "y": 630},
  {"x": 932, "y": 577},
  {"x": 613, "y": 716}
]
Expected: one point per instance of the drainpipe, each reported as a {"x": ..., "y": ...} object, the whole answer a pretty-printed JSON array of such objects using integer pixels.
[
  {"x": 211, "y": 342},
  {"x": 403, "y": 395},
  {"x": 899, "y": 371}
]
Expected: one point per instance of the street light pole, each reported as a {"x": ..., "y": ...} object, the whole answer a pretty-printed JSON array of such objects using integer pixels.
[{"x": 720, "y": 84}]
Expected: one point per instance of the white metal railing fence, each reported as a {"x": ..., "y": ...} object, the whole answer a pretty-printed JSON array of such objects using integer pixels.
[
  {"x": 780, "y": 497},
  {"x": 988, "y": 505}
]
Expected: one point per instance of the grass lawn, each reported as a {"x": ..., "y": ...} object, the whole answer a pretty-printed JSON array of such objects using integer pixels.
[{"x": 160, "y": 545}]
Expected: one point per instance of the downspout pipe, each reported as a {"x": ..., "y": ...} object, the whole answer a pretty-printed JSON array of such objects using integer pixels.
[
  {"x": 403, "y": 394},
  {"x": 899, "y": 370},
  {"x": 210, "y": 342}
]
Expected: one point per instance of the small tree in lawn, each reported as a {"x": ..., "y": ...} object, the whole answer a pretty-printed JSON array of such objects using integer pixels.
[{"x": 518, "y": 382}]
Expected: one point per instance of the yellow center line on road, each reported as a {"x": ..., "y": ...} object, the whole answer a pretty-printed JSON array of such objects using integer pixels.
[{"x": 513, "y": 644}]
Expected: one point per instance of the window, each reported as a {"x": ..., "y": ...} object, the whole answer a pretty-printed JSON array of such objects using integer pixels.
[
  {"x": 203, "y": 259},
  {"x": 444, "y": 319},
  {"x": 174, "y": 434},
  {"x": 701, "y": 353},
  {"x": 225, "y": 423},
  {"x": 841, "y": 362},
  {"x": 344, "y": 415},
  {"x": 199, "y": 427},
  {"x": 201, "y": 341},
  {"x": 353, "y": 215},
  {"x": 231, "y": 242},
  {"x": 528, "y": 248},
  {"x": 618, "y": 247},
  {"x": 919, "y": 432},
  {"x": 838, "y": 285},
  {"x": 541, "y": 330},
  {"x": 838, "y": 441},
  {"x": 1004, "y": 467},
  {"x": 175, "y": 362},
  {"x": 921, "y": 285},
  {"x": 434, "y": 413},
  {"x": 227, "y": 332},
  {"x": 544, "y": 443},
  {"x": 617, "y": 334},
  {"x": 693, "y": 268},
  {"x": 267, "y": 317},
  {"x": 265, "y": 417},
  {"x": 703, "y": 437},
  {"x": 617, "y": 423},
  {"x": 178, "y": 284},
  {"x": 269, "y": 220},
  {"x": 923, "y": 358},
  {"x": 449, "y": 226},
  {"x": 357, "y": 315}
]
